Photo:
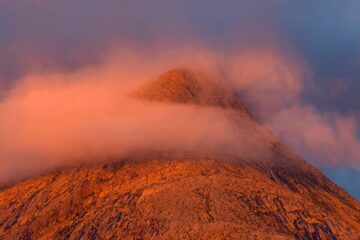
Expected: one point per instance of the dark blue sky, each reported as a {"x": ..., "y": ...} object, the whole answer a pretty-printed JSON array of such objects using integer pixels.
[
  {"x": 328, "y": 35},
  {"x": 66, "y": 35}
]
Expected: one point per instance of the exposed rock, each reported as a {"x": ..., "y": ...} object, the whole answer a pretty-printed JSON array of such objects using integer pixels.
[{"x": 170, "y": 198}]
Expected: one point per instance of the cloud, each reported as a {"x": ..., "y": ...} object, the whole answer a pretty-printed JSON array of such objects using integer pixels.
[
  {"x": 268, "y": 78},
  {"x": 55, "y": 118},
  {"x": 326, "y": 139},
  {"x": 52, "y": 51},
  {"x": 59, "y": 118},
  {"x": 273, "y": 84}
]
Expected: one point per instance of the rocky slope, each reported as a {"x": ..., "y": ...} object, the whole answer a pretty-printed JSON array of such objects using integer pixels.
[{"x": 177, "y": 195}]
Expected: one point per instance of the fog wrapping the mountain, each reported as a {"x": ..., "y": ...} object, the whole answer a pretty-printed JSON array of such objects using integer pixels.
[{"x": 65, "y": 73}]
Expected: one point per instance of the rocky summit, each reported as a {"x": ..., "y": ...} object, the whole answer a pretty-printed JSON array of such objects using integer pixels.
[{"x": 184, "y": 195}]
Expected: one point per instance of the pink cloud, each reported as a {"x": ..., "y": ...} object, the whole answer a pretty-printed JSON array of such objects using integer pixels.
[{"x": 55, "y": 118}]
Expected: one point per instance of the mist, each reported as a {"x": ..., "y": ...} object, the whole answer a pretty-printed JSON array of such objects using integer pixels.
[
  {"x": 295, "y": 65},
  {"x": 53, "y": 119}
]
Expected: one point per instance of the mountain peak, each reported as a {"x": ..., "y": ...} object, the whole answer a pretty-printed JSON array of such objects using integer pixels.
[{"x": 187, "y": 87}]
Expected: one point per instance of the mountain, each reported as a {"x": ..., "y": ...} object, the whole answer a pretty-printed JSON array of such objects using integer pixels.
[{"x": 184, "y": 195}]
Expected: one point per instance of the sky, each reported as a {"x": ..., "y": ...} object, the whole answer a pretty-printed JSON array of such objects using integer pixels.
[{"x": 300, "y": 59}]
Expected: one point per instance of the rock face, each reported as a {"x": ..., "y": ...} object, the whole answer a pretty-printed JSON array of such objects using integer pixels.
[{"x": 176, "y": 195}]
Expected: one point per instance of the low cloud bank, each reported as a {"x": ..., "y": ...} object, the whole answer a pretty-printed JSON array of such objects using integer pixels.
[{"x": 49, "y": 119}]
